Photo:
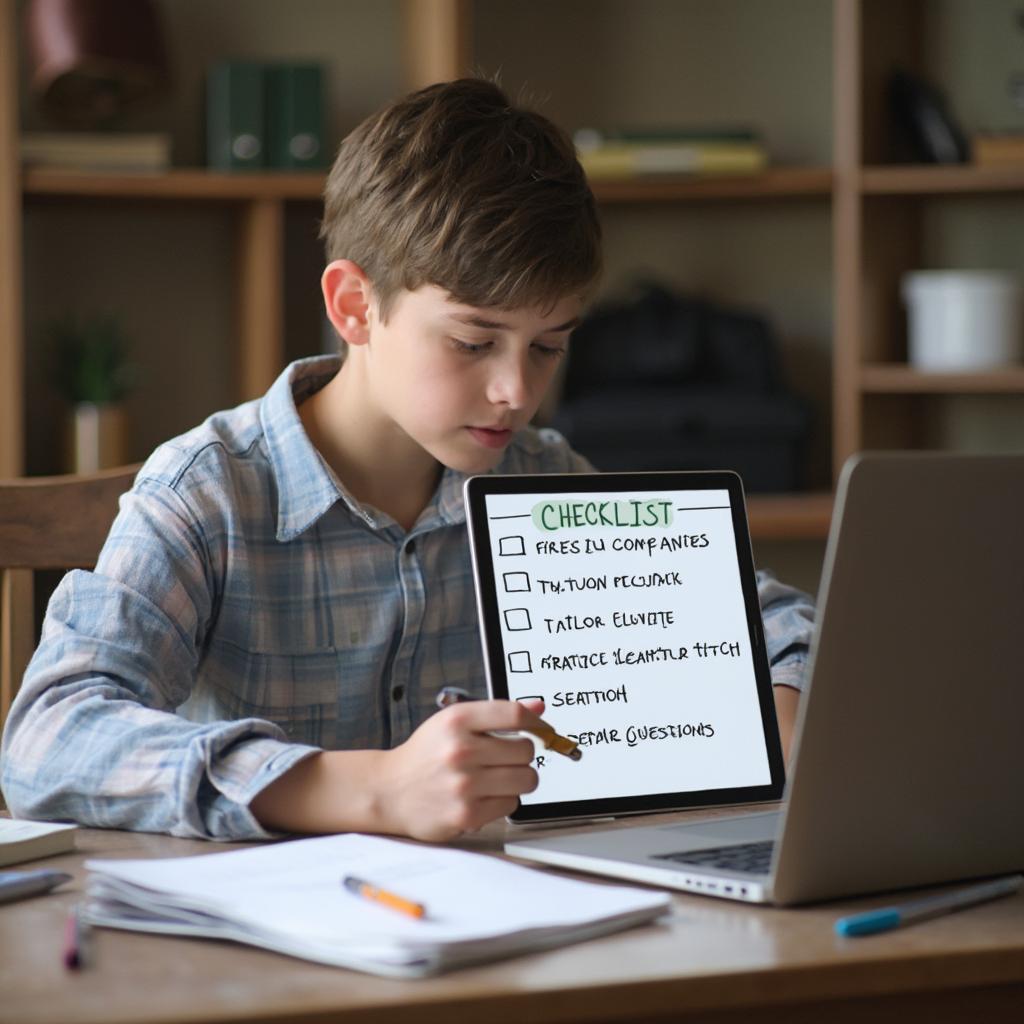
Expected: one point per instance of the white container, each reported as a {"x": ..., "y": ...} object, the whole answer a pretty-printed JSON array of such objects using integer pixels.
[{"x": 963, "y": 319}]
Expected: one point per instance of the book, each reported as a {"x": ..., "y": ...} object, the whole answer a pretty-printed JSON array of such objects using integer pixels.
[
  {"x": 96, "y": 151},
  {"x": 1004, "y": 150},
  {"x": 22, "y": 840},
  {"x": 624, "y": 154},
  {"x": 236, "y": 116},
  {"x": 295, "y": 119},
  {"x": 628, "y": 160},
  {"x": 590, "y": 138},
  {"x": 290, "y": 897}
]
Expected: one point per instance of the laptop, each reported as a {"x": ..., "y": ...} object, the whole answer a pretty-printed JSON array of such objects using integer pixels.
[{"x": 907, "y": 756}]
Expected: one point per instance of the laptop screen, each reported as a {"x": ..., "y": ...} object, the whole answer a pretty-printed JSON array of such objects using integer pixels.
[{"x": 624, "y": 601}]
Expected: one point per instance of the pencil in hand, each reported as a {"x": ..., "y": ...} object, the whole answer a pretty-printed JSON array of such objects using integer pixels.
[{"x": 546, "y": 733}]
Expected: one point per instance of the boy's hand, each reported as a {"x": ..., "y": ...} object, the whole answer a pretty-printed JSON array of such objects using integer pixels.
[{"x": 451, "y": 777}]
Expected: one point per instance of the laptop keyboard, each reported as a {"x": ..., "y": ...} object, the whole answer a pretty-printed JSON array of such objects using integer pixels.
[{"x": 754, "y": 858}]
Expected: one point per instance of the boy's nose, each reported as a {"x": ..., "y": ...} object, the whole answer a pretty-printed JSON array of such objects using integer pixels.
[{"x": 508, "y": 385}]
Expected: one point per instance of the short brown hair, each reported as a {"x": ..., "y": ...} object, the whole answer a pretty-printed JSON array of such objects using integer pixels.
[{"x": 454, "y": 186}]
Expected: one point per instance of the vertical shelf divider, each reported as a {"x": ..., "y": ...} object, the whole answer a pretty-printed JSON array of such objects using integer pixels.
[
  {"x": 437, "y": 41},
  {"x": 846, "y": 232},
  {"x": 12, "y": 344},
  {"x": 259, "y": 295}
]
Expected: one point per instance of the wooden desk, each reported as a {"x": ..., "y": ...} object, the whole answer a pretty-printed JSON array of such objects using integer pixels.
[{"x": 711, "y": 961}]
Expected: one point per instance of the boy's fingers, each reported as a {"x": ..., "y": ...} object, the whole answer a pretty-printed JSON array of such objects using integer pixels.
[
  {"x": 507, "y": 781},
  {"x": 533, "y": 704},
  {"x": 489, "y": 715},
  {"x": 491, "y": 808},
  {"x": 498, "y": 751}
]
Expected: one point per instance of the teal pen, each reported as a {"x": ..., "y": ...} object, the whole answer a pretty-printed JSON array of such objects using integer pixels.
[{"x": 884, "y": 918}]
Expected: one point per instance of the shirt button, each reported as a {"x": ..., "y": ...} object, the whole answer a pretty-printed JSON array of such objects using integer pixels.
[
  {"x": 398, "y": 693},
  {"x": 410, "y": 547}
]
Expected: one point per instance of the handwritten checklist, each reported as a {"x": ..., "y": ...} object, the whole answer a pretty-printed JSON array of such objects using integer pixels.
[{"x": 625, "y": 613}]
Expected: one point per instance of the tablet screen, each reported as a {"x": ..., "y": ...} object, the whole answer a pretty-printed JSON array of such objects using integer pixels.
[{"x": 631, "y": 610}]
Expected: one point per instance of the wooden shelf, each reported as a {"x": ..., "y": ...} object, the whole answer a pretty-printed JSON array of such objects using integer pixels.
[
  {"x": 897, "y": 378},
  {"x": 198, "y": 183},
  {"x": 180, "y": 183},
  {"x": 776, "y": 183},
  {"x": 927, "y": 180},
  {"x": 789, "y": 516}
]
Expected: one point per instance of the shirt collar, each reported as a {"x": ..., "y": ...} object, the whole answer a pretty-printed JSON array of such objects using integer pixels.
[
  {"x": 306, "y": 486},
  {"x": 450, "y": 506}
]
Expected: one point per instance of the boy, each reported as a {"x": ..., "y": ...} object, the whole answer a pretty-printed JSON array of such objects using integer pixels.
[{"x": 287, "y": 586}]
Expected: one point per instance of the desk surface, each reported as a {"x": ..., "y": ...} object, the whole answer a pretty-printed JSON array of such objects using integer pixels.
[{"x": 710, "y": 960}]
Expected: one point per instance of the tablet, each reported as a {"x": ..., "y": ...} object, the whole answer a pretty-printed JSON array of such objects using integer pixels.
[{"x": 628, "y": 603}]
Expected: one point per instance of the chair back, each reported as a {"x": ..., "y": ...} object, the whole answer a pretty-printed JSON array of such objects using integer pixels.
[{"x": 56, "y": 522}]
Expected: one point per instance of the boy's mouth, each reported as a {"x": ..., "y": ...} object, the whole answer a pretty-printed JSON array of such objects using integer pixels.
[{"x": 491, "y": 438}]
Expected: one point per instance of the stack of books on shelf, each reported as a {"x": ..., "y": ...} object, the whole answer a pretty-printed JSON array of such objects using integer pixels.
[
  {"x": 96, "y": 151},
  {"x": 639, "y": 154},
  {"x": 998, "y": 150}
]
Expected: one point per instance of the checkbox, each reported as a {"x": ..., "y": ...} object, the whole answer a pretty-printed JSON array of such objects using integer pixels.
[
  {"x": 519, "y": 661},
  {"x": 517, "y": 619},
  {"x": 516, "y": 582},
  {"x": 511, "y": 546}
]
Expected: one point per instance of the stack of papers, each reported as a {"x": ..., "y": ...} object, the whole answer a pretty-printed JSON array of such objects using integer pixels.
[{"x": 289, "y": 897}]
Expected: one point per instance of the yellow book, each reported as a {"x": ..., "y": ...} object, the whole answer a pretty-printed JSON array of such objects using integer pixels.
[
  {"x": 998, "y": 150},
  {"x": 629, "y": 160}
]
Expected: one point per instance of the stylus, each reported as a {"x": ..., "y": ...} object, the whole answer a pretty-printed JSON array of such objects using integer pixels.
[
  {"x": 884, "y": 918},
  {"x": 449, "y": 695}
]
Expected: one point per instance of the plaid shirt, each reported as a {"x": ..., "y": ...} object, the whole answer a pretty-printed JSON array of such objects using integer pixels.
[{"x": 247, "y": 611}]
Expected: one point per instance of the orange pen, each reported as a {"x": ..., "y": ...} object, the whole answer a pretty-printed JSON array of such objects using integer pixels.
[{"x": 382, "y": 896}]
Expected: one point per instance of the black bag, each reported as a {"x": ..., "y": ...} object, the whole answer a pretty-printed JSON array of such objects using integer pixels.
[{"x": 668, "y": 382}]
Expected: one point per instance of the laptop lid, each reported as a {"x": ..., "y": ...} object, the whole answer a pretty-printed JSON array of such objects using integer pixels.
[
  {"x": 907, "y": 754},
  {"x": 628, "y": 602}
]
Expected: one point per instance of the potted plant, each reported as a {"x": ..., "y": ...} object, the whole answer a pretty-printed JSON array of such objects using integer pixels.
[{"x": 93, "y": 375}]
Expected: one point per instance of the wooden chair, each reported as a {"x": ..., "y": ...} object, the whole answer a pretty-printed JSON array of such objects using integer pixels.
[{"x": 56, "y": 522}]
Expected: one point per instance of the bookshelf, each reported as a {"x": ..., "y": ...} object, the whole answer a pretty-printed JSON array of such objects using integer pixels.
[
  {"x": 884, "y": 226},
  {"x": 875, "y": 211}
]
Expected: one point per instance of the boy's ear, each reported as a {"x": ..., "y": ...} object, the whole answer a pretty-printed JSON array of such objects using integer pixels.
[{"x": 347, "y": 296}]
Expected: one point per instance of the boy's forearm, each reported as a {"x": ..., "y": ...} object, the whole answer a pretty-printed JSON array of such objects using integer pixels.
[
  {"x": 334, "y": 791},
  {"x": 787, "y": 701}
]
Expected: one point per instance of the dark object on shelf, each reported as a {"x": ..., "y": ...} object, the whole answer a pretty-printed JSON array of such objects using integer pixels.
[
  {"x": 669, "y": 382},
  {"x": 261, "y": 114},
  {"x": 90, "y": 61},
  {"x": 924, "y": 120},
  {"x": 236, "y": 118},
  {"x": 295, "y": 116}
]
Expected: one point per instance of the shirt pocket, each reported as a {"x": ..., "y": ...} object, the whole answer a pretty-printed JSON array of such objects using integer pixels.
[{"x": 298, "y": 691}]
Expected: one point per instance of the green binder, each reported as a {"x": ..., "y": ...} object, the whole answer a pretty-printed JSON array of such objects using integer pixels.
[
  {"x": 236, "y": 116},
  {"x": 295, "y": 116}
]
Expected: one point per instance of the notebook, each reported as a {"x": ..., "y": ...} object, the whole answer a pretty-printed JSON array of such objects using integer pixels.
[
  {"x": 290, "y": 897},
  {"x": 22, "y": 840},
  {"x": 628, "y": 602},
  {"x": 907, "y": 753}
]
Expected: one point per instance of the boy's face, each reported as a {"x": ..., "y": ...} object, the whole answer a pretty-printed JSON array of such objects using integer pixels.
[{"x": 458, "y": 380}]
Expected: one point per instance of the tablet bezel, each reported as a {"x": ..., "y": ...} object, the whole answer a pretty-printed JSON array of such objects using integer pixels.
[{"x": 476, "y": 489}]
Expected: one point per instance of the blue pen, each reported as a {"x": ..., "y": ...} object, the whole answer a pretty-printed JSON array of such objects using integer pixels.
[
  {"x": 884, "y": 918},
  {"x": 15, "y": 885}
]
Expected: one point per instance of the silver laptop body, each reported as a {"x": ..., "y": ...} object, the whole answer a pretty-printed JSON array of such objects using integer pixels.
[{"x": 908, "y": 757}]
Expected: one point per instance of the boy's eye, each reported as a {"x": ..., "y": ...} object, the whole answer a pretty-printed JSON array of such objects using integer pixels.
[
  {"x": 470, "y": 347},
  {"x": 550, "y": 351}
]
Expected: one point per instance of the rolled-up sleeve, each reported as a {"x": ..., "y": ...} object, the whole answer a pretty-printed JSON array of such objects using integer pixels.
[
  {"x": 93, "y": 736},
  {"x": 788, "y": 616}
]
